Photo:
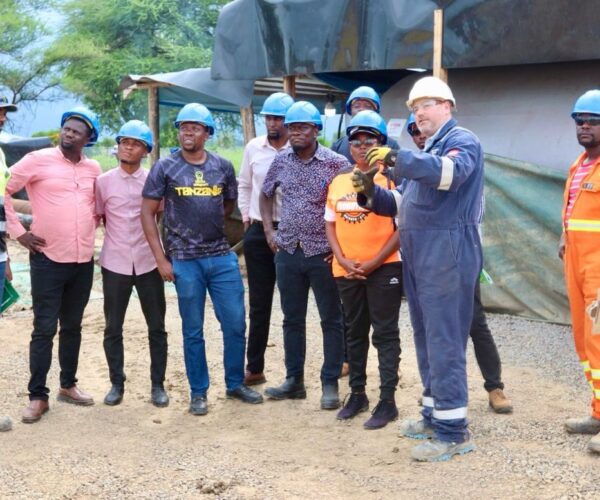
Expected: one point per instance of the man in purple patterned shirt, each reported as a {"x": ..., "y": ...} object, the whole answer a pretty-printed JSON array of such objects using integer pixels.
[{"x": 303, "y": 172}]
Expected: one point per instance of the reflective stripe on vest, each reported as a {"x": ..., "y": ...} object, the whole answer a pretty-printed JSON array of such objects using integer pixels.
[{"x": 588, "y": 225}]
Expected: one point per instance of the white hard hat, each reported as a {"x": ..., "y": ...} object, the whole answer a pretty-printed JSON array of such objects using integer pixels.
[{"x": 432, "y": 87}]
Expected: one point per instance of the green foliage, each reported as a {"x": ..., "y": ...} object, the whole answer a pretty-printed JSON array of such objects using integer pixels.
[
  {"x": 26, "y": 73},
  {"x": 104, "y": 40},
  {"x": 53, "y": 134}
]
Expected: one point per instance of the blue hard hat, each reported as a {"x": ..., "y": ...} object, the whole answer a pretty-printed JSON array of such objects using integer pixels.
[
  {"x": 138, "y": 130},
  {"x": 86, "y": 116},
  {"x": 587, "y": 103},
  {"x": 197, "y": 113},
  {"x": 363, "y": 93},
  {"x": 277, "y": 104},
  {"x": 367, "y": 121},
  {"x": 303, "y": 112}
]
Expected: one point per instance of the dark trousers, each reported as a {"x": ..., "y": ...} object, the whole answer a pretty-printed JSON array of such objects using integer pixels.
[
  {"x": 260, "y": 265},
  {"x": 117, "y": 290},
  {"x": 486, "y": 352},
  {"x": 296, "y": 275},
  {"x": 59, "y": 293},
  {"x": 374, "y": 301}
]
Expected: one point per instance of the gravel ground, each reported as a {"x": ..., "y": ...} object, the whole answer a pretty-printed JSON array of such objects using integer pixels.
[{"x": 288, "y": 449}]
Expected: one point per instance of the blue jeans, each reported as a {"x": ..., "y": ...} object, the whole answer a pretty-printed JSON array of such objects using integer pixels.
[
  {"x": 221, "y": 277},
  {"x": 296, "y": 274}
]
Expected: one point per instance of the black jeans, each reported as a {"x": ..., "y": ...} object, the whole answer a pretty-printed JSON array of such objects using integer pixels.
[
  {"x": 296, "y": 275},
  {"x": 117, "y": 290},
  {"x": 59, "y": 292},
  {"x": 486, "y": 352},
  {"x": 260, "y": 265},
  {"x": 374, "y": 301}
]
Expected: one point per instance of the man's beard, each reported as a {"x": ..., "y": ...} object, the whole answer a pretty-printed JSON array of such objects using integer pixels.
[{"x": 274, "y": 134}]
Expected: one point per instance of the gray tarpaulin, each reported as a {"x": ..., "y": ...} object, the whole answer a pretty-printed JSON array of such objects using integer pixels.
[
  {"x": 521, "y": 229},
  {"x": 259, "y": 38}
]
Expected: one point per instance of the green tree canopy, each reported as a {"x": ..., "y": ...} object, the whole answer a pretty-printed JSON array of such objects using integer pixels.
[
  {"x": 26, "y": 73},
  {"x": 103, "y": 40}
]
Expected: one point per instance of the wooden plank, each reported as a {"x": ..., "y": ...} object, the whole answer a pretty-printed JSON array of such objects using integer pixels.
[
  {"x": 247, "y": 115},
  {"x": 289, "y": 85},
  {"x": 153, "y": 123},
  {"x": 438, "y": 45}
]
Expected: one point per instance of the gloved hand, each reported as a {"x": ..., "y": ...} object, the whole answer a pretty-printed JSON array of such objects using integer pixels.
[
  {"x": 363, "y": 183},
  {"x": 384, "y": 154}
]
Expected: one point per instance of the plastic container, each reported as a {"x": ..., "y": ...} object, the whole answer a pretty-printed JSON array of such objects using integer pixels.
[{"x": 9, "y": 296}]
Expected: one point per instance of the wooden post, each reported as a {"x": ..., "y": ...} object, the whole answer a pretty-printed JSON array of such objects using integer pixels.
[
  {"x": 153, "y": 122},
  {"x": 247, "y": 114},
  {"x": 289, "y": 85},
  {"x": 438, "y": 45}
]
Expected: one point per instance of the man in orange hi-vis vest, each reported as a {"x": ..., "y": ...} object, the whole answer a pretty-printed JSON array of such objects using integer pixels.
[{"x": 580, "y": 250}]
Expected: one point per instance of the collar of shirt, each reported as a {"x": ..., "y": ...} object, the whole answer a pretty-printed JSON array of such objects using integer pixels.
[
  {"x": 125, "y": 175},
  {"x": 82, "y": 157},
  {"x": 319, "y": 154},
  {"x": 268, "y": 145},
  {"x": 441, "y": 132}
]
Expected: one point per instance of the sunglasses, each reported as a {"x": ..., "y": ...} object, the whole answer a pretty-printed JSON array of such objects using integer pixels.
[
  {"x": 590, "y": 120},
  {"x": 357, "y": 143}
]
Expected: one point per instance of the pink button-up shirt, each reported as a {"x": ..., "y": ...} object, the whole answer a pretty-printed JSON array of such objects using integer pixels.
[
  {"x": 62, "y": 201},
  {"x": 119, "y": 200}
]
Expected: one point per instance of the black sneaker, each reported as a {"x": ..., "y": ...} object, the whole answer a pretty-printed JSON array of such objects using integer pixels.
[
  {"x": 354, "y": 404},
  {"x": 384, "y": 413}
]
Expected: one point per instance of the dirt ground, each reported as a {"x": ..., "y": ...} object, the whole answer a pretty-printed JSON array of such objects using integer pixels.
[{"x": 285, "y": 449}]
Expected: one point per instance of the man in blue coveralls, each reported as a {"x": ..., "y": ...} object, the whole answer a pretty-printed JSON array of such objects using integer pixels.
[{"x": 439, "y": 212}]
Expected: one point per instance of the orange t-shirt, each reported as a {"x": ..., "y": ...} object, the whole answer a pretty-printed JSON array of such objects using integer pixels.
[{"x": 360, "y": 232}]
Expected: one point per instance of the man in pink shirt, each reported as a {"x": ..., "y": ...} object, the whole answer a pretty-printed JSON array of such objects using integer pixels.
[
  {"x": 127, "y": 261},
  {"x": 60, "y": 184}
]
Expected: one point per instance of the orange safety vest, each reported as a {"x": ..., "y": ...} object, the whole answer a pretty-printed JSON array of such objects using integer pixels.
[{"x": 585, "y": 216}]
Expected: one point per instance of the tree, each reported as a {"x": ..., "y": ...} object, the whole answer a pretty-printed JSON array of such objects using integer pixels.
[
  {"x": 103, "y": 40},
  {"x": 26, "y": 73}
]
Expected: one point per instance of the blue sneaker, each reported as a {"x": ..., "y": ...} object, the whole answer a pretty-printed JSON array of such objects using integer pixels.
[{"x": 416, "y": 429}]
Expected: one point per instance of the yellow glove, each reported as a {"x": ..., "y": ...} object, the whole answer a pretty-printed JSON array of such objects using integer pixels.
[
  {"x": 384, "y": 154},
  {"x": 363, "y": 183}
]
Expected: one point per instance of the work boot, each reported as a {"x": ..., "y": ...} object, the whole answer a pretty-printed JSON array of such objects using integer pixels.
[
  {"x": 416, "y": 429},
  {"x": 330, "y": 399},
  {"x": 585, "y": 425},
  {"x": 114, "y": 396},
  {"x": 499, "y": 402},
  {"x": 292, "y": 388},
  {"x": 384, "y": 413},
  {"x": 435, "y": 450},
  {"x": 254, "y": 378},
  {"x": 158, "y": 396},
  {"x": 594, "y": 444},
  {"x": 244, "y": 394},
  {"x": 354, "y": 404},
  {"x": 75, "y": 396},
  {"x": 35, "y": 410},
  {"x": 198, "y": 405}
]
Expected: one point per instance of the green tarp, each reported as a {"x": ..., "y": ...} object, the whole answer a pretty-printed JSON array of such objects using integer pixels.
[{"x": 521, "y": 230}]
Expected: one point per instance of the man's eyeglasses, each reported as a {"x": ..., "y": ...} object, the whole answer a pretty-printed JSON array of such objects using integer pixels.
[
  {"x": 357, "y": 143},
  {"x": 425, "y": 105},
  {"x": 590, "y": 120}
]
